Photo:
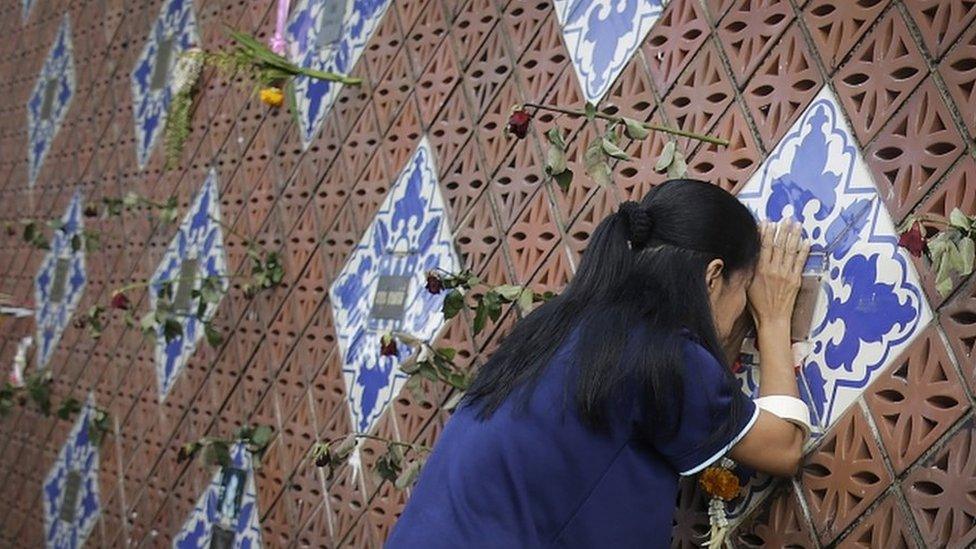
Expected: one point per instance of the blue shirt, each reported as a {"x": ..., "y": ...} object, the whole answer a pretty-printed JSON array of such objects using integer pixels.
[{"x": 536, "y": 476}]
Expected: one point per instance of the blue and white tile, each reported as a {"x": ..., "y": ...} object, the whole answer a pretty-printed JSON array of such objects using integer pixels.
[
  {"x": 870, "y": 306},
  {"x": 216, "y": 509},
  {"x": 52, "y": 316},
  {"x": 25, "y": 9},
  {"x": 306, "y": 47},
  {"x": 199, "y": 236},
  {"x": 602, "y": 36},
  {"x": 408, "y": 236},
  {"x": 78, "y": 455},
  {"x": 57, "y": 79},
  {"x": 175, "y": 21}
]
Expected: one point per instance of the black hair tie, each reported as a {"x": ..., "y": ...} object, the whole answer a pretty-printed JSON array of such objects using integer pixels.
[{"x": 638, "y": 221}]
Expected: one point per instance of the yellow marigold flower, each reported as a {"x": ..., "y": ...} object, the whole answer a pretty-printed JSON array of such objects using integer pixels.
[
  {"x": 720, "y": 482},
  {"x": 273, "y": 97}
]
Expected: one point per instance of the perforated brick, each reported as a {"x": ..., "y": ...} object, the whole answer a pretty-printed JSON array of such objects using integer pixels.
[
  {"x": 782, "y": 87},
  {"x": 749, "y": 30},
  {"x": 880, "y": 75},
  {"x": 674, "y": 40},
  {"x": 727, "y": 166},
  {"x": 532, "y": 236},
  {"x": 940, "y": 492},
  {"x": 518, "y": 178},
  {"x": 914, "y": 149},
  {"x": 941, "y": 21},
  {"x": 471, "y": 27},
  {"x": 843, "y": 476},
  {"x": 836, "y": 25},
  {"x": 917, "y": 400},
  {"x": 778, "y": 523},
  {"x": 632, "y": 94},
  {"x": 885, "y": 526},
  {"x": 543, "y": 61},
  {"x": 959, "y": 71},
  {"x": 701, "y": 94},
  {"x": 958, "y": 317}
]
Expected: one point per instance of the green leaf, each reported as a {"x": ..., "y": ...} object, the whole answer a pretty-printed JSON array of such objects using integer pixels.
[
  {"x": 943, "y": 279},
  {"x": 960, "y": 220},
  {"x": 217, "y": 453},
  {"x": 525, "y": 302},
  {"x": 564, "y": 179},
  {"x": 667, "y": 156},
  {"x": 408, "y": 476},
  {"x": 613, "y": 150},
  {"x": 555, "y": 137},
  {"x": 148, "y": 322},
  {"x": 76, "y": 242},
  {"x": 92, "y": 240},
  {"x": 590, "y": 110},
  {"x": 56, "y": 224},
  {"x": 30, "y": 231},
  {"x": 447, "y": 353},
  {"x": 261, "y": 436},
  {"x": 131, "y": 199},
  {"x": 480, "y": 317},
  {"x": 595, "y": 160},
  {"x": 453, "y": 303},
  {"x": 967, "y": 251},
  {"x": 555, "y": 160},
  {"x": 509, "y": 292},
  {"x": 678, "y": 167},
  {"x": 635, "y": 129},
  {"x": 172, "y": 329},
  {"x": 214, "y": 337}
]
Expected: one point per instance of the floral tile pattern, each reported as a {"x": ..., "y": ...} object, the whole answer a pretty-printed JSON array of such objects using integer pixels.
[
  {"x": 71, "y": 502},
  {"x": 382, "y": 286},
  {"x": 174, "y": 31},
  {"x": 50, "y": 99},
  {"x": 229, "y": 507},
  {"x": 26, "y": 6},
  {"x": 871, "y": 304},
  {"x": 602, "y": 36},
  {"x": 59, "y": 282},
  {"x": 196, "y": 252},
  {"x": 317, "y": 39}
]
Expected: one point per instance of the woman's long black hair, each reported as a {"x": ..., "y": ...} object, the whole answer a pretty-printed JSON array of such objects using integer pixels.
[{"x": 643, "y": 273}]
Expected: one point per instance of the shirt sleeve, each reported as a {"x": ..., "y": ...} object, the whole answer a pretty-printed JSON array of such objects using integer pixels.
[{"x": 706, "y": 407}]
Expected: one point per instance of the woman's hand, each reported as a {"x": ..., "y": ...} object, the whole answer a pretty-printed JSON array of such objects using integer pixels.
[{"x": 776, "y": 283}]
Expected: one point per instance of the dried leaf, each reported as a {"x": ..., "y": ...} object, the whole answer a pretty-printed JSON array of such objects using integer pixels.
[
  {"x": 960, "y": 220},
  {"x": 667, "y": 156},
  {"x": 635, "y": 129},
  {"x": 613, "y": 150},
  {"x": 590, "y": 110},
  {"x": 967, "y": 252},
  {"x": 564, "y": 179},
  {"x": 678, "y": 167}
]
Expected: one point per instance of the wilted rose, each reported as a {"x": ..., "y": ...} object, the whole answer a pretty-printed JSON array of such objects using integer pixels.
[
  {"x": 91, "y": 210},
  {"x": 388, "y": 346},
  {"x": 913, "y": 240},
  {"x": 518, "y": 123},
  {"x": 120, "y": 301},
  {"x": 434, "y": 283}
]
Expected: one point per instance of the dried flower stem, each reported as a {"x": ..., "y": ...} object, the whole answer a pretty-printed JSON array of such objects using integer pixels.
[{"x": 620, "y": 120}]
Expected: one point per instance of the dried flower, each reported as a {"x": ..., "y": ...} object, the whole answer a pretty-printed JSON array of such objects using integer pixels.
[
  {"x": 388, "y": 346},
  {"x": 120, "y": 301},
  {"x": 91, "y": 210},
  {"x": 273, "y": 97},
  {"x": 913, "y": 240},
  {"x": 518, "y": 123},
  {"x": 187, "y": 451},
  {"x": 434, "y": 283},
  {"x": 720, "y": 482}
]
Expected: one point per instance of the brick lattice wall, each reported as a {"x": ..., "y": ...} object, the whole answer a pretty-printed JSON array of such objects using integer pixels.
[{"x": 896, "y": 470}]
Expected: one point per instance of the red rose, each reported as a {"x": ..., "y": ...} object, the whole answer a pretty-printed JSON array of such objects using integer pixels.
[
  {"x": 913, "y": 240},
  {"x": 434, "y": 283},
  {"x": 388, "y": 346},
  {"x": 518, "y": 123},
  {"x": 120, "y": 301}
]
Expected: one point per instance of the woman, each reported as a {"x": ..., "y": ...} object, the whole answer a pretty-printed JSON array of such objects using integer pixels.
[{"x": 576, "y": 430}]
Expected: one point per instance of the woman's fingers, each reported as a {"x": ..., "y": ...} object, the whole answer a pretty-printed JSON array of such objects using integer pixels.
[
  {"x": 801, "y": 258},
  {"x": 766, "y": 242},
  {"x": 779, "y": 244}
]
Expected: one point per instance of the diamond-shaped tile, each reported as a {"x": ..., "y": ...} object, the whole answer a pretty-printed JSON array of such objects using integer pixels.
[
  {"x": 885, "y": 526},
  {"x": 602, "y": 38},
  {"x": 318, "y": 39},
  {"x": 174, "y": 31},
  {"x": 195, "y": 253},
  {"x": 48, "y": 103},
  {"x": 227, "y": 510},
  {"x": 381, "y": 288},
  {"x": 71, "y": 501},
  {"x": 871, "y": 304},
  {"x": 60, "y": 282}
]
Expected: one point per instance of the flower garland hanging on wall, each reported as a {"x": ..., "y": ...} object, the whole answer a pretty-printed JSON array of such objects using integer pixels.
[{"x": 271, "y": 72}]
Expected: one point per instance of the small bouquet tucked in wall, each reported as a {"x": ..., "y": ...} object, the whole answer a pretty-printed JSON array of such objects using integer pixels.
[
  {"x": 271, "y": 72},
  {"x": 949, "y": 243}
]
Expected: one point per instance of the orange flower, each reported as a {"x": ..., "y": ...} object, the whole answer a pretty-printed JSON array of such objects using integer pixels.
[
  {"x": 720, "y": 482},
  {"x": 272, "y": 97}
]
